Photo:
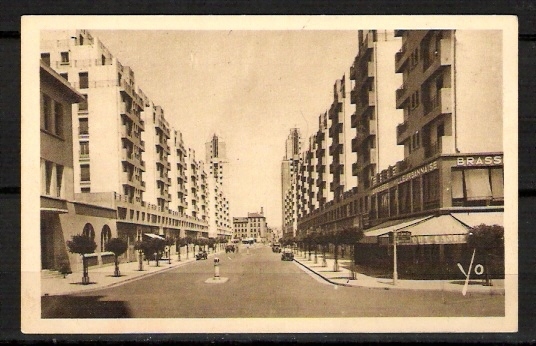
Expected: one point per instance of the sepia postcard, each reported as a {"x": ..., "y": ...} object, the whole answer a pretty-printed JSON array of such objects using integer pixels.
[{"x": 269, "y": 174}]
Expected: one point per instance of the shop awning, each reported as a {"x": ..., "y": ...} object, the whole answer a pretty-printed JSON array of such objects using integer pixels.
[
  {"x": 389, "y": 226},
  {"x": 151, "y": 235},
  {"x": 475, "y": 219},
  {"x": 444, "y": 229}
]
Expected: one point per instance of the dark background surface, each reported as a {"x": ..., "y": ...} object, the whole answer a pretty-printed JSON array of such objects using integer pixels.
[{"x": 10, "y": 13}]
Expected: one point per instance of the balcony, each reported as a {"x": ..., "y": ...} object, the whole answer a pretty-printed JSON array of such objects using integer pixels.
[
  {"x": 355, "y": 169},
  {"x": 441, "y": 57},
  {"x": 444, "y": 145},
  {"x": 353, "y": 96},
  {"x": 355, "y": 144},
  {"x": 399, "y": 33},
  {"x": 400, "y": 131},
  {"x": 352, "y": 72},
  {"x": 400, "y": 93},
  {"x": 142, "y": 145},
  {"x": 126, "y": 133},
  {"x": 142, "y": 164},
  {"x": 370, "y": 69},
  {"x": 353, "y": 120},
  {"x": 440, "y": 104},
  {"x": 371, "y": 98}
]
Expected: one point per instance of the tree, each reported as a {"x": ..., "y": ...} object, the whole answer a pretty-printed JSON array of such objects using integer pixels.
[
  {"x": 82, "y": 245},
  {"x": 144, "y": 248},
  {"x": 350, "y": 236},
  {"x": 157, "y": 246},
  {"x": 118, "y": 246},
  {"x": 488, "y": 242},
  {"x": 323, "y": 240},
  {"x": 211, "y": 242}
]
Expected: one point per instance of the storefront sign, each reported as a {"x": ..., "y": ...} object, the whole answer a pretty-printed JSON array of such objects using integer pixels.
[
  {"x": 408, "y": 176},
  {"x": 403, "y": 237},
  {"x": 470, "y": 161}
]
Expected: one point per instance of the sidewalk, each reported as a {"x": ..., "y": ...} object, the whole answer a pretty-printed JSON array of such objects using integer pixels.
[
  {"x": 343, "y": 277},
  {"x": 53, "y": 283}
]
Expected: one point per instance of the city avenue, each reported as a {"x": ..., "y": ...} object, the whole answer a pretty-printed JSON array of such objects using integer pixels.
[{"x": 259, "y": 285}]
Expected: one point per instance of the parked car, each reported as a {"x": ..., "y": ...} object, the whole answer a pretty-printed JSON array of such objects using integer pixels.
[
  {"x": 276, "y": 248},
  {"x": 230, "y": 248},
  {"x": 287, "y": 255},
  {"x": 201, "y": 255}
]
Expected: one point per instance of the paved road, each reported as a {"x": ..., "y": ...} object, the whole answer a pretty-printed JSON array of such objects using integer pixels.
[{"x": 259, "y": 285}]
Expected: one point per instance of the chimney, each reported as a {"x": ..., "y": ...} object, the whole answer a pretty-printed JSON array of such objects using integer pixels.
[{"x": 262, "y": 212}]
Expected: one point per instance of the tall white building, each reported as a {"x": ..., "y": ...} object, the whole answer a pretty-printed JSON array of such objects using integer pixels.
[
  {"x": 216, "y": 159},
  {"x": 122, "y": 143}
]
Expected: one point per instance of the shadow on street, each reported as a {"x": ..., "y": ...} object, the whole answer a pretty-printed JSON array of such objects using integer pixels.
[{"x": 86, "y": 307}]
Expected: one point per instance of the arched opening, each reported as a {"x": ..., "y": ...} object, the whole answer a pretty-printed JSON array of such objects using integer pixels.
[
  {"x": 106, "y": 235},
  {"x": 89, "y": 231}
]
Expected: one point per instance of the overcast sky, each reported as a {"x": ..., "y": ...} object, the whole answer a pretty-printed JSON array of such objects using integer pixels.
[{"x": 249, "y": 87}]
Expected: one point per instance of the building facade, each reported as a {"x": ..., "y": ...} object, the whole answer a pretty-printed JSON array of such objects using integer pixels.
[
  {"x": 253, "y": 226},
  {"x": 123, "y": 146},
  {"x": 218, "y": 175},
  {"x": 289, "y": 181},
  {"x": 61, "y": 215},
  {"x": 439, "y": 171},
  {"x": 376, "y": 116}
]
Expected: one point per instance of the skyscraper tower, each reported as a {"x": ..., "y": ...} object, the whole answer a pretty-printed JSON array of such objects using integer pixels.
[
  {"x": 289, "y": 169},
  {"x": 216, "y": 158}
]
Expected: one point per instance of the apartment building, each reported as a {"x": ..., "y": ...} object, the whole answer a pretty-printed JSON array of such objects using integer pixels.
[
  {"x": 216, "y": 159},
  {"x": 251, "y": 227},
  {"x": 376, "y": 115},
  {"x": 60, "y": 215},
  {"x": 122, "y": 156},
  {"x": 289, "y": 181},
  {"x": 340, "y": 133},
  {"x": 450, "y": 177}
]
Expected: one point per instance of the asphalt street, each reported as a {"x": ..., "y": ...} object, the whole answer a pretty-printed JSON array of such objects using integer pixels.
[{"x": 259, "y": 285}]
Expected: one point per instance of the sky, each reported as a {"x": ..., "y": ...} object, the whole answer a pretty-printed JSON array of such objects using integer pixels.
[{"x": 248, "y": 87}]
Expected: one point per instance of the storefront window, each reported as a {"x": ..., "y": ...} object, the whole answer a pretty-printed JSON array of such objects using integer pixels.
[
  {"x": 477, "y": 187},
  {"x": 431, "y": 190},
  {"x": 404, "y": 197},
  {"x": 416, "y": 194}
]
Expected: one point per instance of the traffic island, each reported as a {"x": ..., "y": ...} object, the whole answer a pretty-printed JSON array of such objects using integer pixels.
[{"x": 218, "y": 280}]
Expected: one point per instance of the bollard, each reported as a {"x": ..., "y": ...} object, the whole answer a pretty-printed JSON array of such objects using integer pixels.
[{"x": 216, "y": 268}]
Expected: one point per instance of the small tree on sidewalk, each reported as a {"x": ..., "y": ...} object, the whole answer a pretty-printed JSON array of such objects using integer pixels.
[
  {"x": 157, "y": 246},
  {"x": 350, "y": 236},
  {"x": 82, "y": 245},
  {"x": 488, "y": 241},
  {"x": 118, "y": 246},
  {"x": 323, "y": 241},
  {"x": 145, "y": 250}
]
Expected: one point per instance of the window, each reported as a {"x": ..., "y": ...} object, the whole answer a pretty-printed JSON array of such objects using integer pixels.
[
  {"x": 64, "y": 58},
  {"x": 416, "y": 194},
  {"x": 82, "y": 106},
  {"x": 59, "y": 180},
  {"x": 106, "y": 235},
  {"x": 431, "y": 190},
  {"x": 83, "y": 80},
  {"x": 46, "y": 58},
  {"x": 84, "y": 149},
  {"x": 84, "y": 173},
  {"x": 64, "y": 76},
  {"x": 47, "y": 110},
  {"x": 83, "y": 128},
  {"x": 497, "y": 184},
  {"x": 58, "y": 119},
  {"x": 85, "y": 190},
  {"x": 88, "y": 231},
  {"x": 48, "y": 177},
  {"x": 477, "y": 184}
]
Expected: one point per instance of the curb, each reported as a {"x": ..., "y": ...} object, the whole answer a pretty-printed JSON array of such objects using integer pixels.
[
  {"x": 321, "y": 276},
  {"x": 114, "y": 284}
]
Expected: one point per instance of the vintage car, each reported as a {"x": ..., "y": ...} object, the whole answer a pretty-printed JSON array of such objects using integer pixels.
[
  {"x": 287, "y": 255},
  {"x": 201, "y": 255},
  {"x": 276, "y": 248},
  {"x": 230, "y": 248}
]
